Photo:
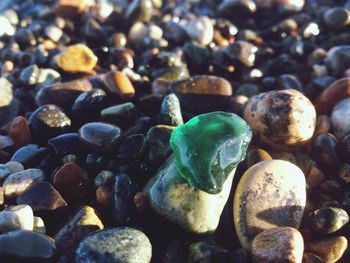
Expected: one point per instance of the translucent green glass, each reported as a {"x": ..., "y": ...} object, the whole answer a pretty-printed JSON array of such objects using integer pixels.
[{"x": 208, "y": 147}]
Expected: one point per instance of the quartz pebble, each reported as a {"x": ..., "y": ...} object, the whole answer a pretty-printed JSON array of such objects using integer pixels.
[
  {"x": 18, "y": 217},
  {"x": 279, "y": 244},
  {"x": 270, "y": 193}
]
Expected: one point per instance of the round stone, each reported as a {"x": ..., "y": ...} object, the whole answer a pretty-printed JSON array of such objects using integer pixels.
[
  {"x": 100, "y": 136},
  {"x": 201, "y": 30},
  {"x": 119, "y": 85},
  {"x": 281, "y": 118},
  {"x": 270, "y": 194},
  {"x": 115, "y": 245},
  {"x": 77, "y": 58}
]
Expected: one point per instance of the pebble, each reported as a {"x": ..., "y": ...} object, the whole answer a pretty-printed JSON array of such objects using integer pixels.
[
  {"x": 341, "y": 125},
  {"x": 17, "y": 183},
  {"x": 6, "y": 28},
  {"x": 282, "y": 118},
  {"x": 325, "y": 151},
  {"x": 4, "y": 172},
  {"x": 158, "y": 140},
  {"x": 206, "y": 252},
  {"x": 19, "y": 131},
  {"x": 200, "y": 30},
  {"x": 115, "y": 245},
  {"x": 242, "y": 52},
  {"x": 71, "y": 181},
  {"x": 336, "y": 17},
  {"x": 6, "y": 93},
  {"x": 119, "y": 85},
  {"x": 193, "y": 209},
  {"x": 42, "y": 197},
  {"x": 14, "y": 167},
  {"x": 330, "y": 249},
  {"x": 103, "y": 178},
  {"x": 62, "y": 94},
  {"x": 77, "y": 58},
  {"x": 337, "y": 60},
  {"x": 29, "y": 75},
  {"x": 84, "y": 222},
  {"x": 328, "y": 219},
  {"x": 25, "y": 244},
  {"x": 29, "y": 155},
  {"x": 18, "y": 217},
  {"x": 48, "y": 121},
  {"x": 139, "y": 11},
  {"x": 39, "y": 225},
  {"x": 279, "y": 244},
  {"x": 120, "y": 114},
  {"x": 170, "y": 112},
  {"x": 65, "y": 144},
  {"x": 100, "y": 136},
  {"x": 68, "y": 8},
  {"x": 270, "y": 193}
]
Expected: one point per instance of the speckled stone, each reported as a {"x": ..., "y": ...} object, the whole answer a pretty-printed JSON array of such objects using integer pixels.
[
  {"x": 281, "y": 118},
  {"x": 17, "y": 183},
  {"x": 115, "y": 245},
  {"x": 193, "y": 209},
  {"x": 271, "y": 193},
  {"x": 279, "y": 244},
  {"x": 329, "y": 249},
  {"x": 84, "y": 222}
]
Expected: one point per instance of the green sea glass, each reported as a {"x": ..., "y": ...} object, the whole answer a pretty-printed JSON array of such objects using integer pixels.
[{"x": 208, "y": 147}]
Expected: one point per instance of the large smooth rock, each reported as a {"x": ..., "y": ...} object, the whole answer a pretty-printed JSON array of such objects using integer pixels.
[
  {"x": 270, "y": 194},
  {"x": 127, "y": 245},
  {"x": 193, "y": 209}
]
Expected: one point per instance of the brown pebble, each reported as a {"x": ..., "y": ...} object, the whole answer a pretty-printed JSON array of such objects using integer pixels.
[
  {"x": 119, "y": 85},
  {"x": 141, "y": 202},
  {"x": 70, "y": 8},
  {"x": 329, "y": 249},
  {"x": 280, "y": 244},
  {"x": 315, "y": 176},
  {"x": 103, "y": 196},
  {"x": 19, "y": 131},
  {"x": 71, "y": 181},
  {"x": 337, "y": 91},
  {"x": 63, "y": 94},
  {"x": 204, "y": 85}
]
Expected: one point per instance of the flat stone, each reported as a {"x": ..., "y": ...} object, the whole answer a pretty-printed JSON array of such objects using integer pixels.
[
  {"x": 281, "y": 118},
  {"x": 119, "y": 85},
  {"x": 329, "y": 249},
  {"x": 206, "y": 166},
  {"x": 84, "y": 222},
  {"x": 280, "y": 244},
  {"x": 17, "y": 183},
  {"x": 203, "y": 85},
  {"x": 27, "y": 245},
  {"x": 71, "y": 181},
  {"x": 194, "y": 210},
  {"x": 18, "y": 217},
  {"x": 270, "y": 194},
  {"x": 62, "y": 94},
  {"x": 115, "y": 245},
  {"x": 100, "y": 136},
  {"x": 42, "y": 197},
  {"x": 77, "y": 58}
]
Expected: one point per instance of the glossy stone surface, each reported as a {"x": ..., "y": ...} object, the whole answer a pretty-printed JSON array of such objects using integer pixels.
[
  {"x": 209, "y": 147},
  {"x": 329, "y": 219}
]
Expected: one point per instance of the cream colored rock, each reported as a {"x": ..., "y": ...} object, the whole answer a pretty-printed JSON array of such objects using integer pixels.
[
  {"x": 193, "y": 209},
  {"x": 281, "y": 118},
  {"x": 17, "y": 183},
  {"x": 201, "y": 30},
  {"x": 340, "y": 123},
  {"x": 270, "y": 194},
  {"x": 18, "y": 217},
  {"x": 279, "y": 244},
  {"x": 39, "y": 225}
]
